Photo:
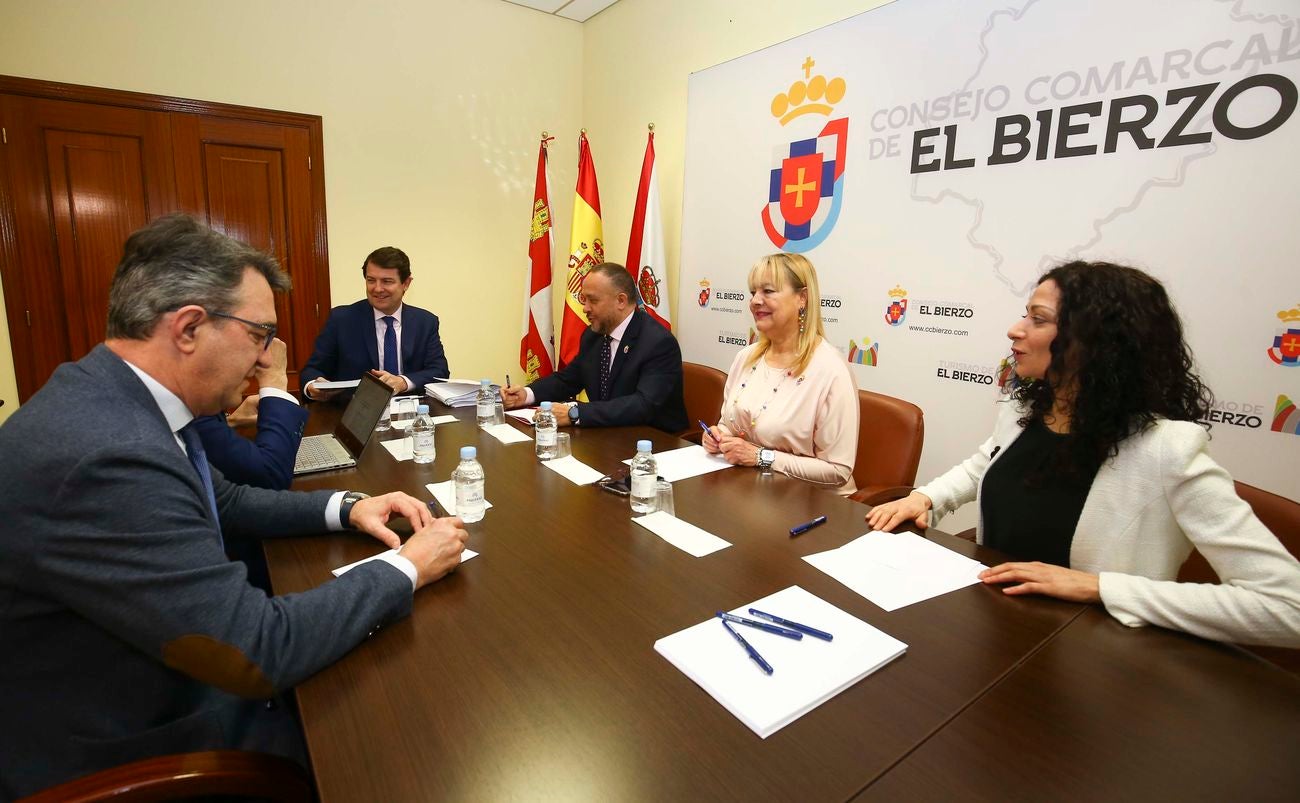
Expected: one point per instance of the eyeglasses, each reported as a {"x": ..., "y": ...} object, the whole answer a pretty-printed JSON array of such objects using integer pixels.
[{"x": 269, "y": 328}]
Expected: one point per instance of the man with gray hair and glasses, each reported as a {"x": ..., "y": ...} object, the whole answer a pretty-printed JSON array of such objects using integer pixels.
[{"x": 125, "y": 630}]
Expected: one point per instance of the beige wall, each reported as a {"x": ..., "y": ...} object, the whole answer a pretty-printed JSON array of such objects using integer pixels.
[{"x": 431, "y": 113}]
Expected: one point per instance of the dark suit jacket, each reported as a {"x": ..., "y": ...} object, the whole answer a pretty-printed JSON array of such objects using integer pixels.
[
  {"x": 124, "y": 630},
  {"x": 645, "y": 385},
  {"x": 347, "y": 347},
  {"x": 266, "y": 462}
]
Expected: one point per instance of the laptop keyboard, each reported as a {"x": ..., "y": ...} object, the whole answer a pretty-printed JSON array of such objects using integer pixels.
[{"x": 318, "y": 452}]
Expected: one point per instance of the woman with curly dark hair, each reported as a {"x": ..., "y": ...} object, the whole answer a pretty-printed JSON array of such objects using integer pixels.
[{"x": 1097, "y": 474}]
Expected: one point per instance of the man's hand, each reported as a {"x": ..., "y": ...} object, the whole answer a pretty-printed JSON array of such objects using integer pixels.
[
  {"x": 318, "y": 395},
  {"x": 913, "y": 508},
  {"x": 245, "y": 415},
  {"x": 1046, "y": 579},
  {"x": 738, "y": 451},
  {"x": 561, "y": 413},
  {"x": 397, "y": 383},
  {"x": 435, "y": 549},
  {"x": 513, "y": 397},
  {"x": 371, "y": 515},
  {"x": 275, "y": 375}
]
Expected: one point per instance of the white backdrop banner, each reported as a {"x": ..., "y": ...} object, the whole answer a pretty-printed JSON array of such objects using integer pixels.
[{"x": 934, "y": 157}]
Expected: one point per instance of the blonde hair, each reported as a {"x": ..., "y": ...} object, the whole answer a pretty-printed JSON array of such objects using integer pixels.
[{"x": 796, "y": 272}]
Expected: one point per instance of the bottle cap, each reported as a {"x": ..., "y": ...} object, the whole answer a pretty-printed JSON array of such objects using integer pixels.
[
  {"x": 423, "y": 409},
  {"x": 468, "y": 453},
  {"x": 485, "y": 382},
  {"x": 643, "y": 446},
  {"x": 546, "y": 406}
]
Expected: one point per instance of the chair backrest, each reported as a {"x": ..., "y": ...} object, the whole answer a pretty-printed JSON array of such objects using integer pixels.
[
  {"x": 702, "y": 392},
  {"x": 891, "y": 433},
  {"x": 1282, "y": 517},
  {"x": 213, "y": 775}
]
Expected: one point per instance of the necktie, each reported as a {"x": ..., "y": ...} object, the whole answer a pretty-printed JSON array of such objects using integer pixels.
[
  {"x": 199, "y": 459},
  {"x": 390, "y": 345},
  {"x": 604, "y": 367}
]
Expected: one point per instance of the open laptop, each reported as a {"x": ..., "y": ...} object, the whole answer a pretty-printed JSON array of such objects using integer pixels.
[{"x": 341, "y": 450}]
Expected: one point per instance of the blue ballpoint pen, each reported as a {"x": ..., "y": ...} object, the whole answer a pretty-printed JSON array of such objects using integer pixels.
[
  {"x": 753, "y": 653},
  {"x": 780, "y": 631},
  {"x": 800, "y": 529},
  {"x": 707, "y": 433},
  {"x": 812, "y": 631}
]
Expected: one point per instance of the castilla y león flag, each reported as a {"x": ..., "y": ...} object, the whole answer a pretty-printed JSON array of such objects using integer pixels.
[
  {"x": 537, "y": 344},
  {"x": 586, "y": 251},
  {"x": 645, "y": 245}
]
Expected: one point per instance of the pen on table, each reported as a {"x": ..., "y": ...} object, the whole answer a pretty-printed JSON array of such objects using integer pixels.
[
  {"x": 812, "y": 631},
  {"x": 740, "y": 620},
  {"x": 806, "y": 526},
  {"x": 753, "y": 653},
  {"x": 707, "y": 433}
]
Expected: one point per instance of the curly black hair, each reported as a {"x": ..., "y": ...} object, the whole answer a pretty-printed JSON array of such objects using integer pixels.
[{"x": 1119, "y": 346}]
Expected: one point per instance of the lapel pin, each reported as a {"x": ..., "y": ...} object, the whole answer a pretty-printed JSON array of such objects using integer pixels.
[{"x": 625, "y": 348}]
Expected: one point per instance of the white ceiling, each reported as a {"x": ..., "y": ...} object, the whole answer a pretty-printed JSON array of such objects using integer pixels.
[{"x": 577, "y": 10}]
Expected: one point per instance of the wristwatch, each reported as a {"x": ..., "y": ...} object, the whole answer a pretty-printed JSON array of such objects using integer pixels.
[
  {"x": 765, "y": 459},
  {"x": 573, "y": 413},
  {"x": 345, "y": 508}
]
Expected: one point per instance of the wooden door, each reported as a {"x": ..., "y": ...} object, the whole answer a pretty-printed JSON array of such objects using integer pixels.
[{"x": 81, "y": 168}]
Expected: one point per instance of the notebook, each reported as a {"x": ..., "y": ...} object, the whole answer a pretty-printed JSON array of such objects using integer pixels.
[{"x": 341, "y": 450}]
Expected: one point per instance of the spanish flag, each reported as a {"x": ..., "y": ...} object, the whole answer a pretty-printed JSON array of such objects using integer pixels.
[{"x": 586, "y": 251}]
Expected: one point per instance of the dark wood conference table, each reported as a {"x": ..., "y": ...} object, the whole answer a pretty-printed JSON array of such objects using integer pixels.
[{"x": 531, "y": 672}]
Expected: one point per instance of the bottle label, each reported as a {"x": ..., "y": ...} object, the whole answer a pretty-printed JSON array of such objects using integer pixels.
[
  {"x": 486, "y": 409},
  {"x": 546, "y": 437},
  {"x": 423, "y": 440},
  {"x": 643, "y": 485},
  {"x": 469, "y": 496}
]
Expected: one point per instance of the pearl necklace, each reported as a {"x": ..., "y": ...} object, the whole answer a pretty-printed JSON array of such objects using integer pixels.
[{"x": 735, "y": 403}]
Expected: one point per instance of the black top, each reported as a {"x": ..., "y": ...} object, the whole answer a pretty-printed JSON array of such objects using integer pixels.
[{"x": 1030, "y": 512}]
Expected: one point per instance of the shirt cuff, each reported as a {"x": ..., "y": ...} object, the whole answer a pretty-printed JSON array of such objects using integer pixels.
[
  {"x": 409, "y": 385},
  {"x": 276, "y": 393},
  {"x": 403, "y": 563},
  {"x": 529, "y": 399},
  {"x": 332, "y": 521}
]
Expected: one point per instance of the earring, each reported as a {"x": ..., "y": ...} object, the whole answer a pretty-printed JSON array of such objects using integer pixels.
[{"x": 803, "y": 313}]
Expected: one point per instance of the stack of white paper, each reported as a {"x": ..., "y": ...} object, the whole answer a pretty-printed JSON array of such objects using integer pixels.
[
  {"x": 688, "y": 461},
  {"x": 457, "y": 392},
  {"x": 806, "y": 673},
  {"x": 894, "y": 570}
]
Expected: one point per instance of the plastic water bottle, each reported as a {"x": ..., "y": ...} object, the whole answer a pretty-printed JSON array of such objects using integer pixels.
[
  {"x": 486, "y": 405},
  {"x": 644, "y": 475},
  {"x": 422, "y": 446},
  {"x": 546, "y": 431},
  {"x": 468, "y": 480}
]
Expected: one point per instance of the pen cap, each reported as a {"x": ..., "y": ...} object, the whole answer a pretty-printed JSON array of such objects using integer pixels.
[
  {"x": 546, "y": 406},
  {"x": 643, "y": 446},
  {"x": 423, "y": 409},
  {"x": 468, "y": 453}
]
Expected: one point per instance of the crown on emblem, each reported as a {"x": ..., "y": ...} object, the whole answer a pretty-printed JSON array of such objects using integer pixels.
[
  {"x": 1289, "y": 315},
  {"x": 815, "y": 94},
  {"x": 898, "y": 292},
  {"x": 704, "y": 282}
]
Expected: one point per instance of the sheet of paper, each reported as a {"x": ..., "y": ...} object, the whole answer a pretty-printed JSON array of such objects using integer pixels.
[
  {"x": 683, "y": 535},
  {"x": 806, "y": 673},
  {"x": 439, "y": 420},
  {"x": 895, "y": 570},
  {"x": 506, "y": 433},
  {"x": 573, "y": 470},
  {"x": 464, "y": 556},
  {"x": 524, "y": 414},
  {"x": 342, "y": 384},
  {"x": 400, "y": 449},
  {"x": 688, "y": 461},
  {"x": 445, "y": 493}
]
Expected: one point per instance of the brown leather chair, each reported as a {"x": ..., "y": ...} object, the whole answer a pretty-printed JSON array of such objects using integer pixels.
[
  {"x": 1282, "y": 517},
  {"x": 220, "y": 774},
  {"x": 702, "y": 392},
  {"x": 891, "y": 433}
]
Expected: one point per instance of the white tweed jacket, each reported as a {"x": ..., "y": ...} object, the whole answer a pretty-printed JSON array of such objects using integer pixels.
[{"x": 1148, "y": 507}]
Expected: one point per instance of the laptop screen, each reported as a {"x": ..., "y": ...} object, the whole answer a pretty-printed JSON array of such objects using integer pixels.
[{"x": 362, "y": 413}]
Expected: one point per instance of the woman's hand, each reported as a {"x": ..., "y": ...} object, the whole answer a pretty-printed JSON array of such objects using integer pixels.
[
  {"x": 1046, "y": 579},
  {"x": 711, "y": 441},
  {"x": 915, "y": 507},
  {"x": 738, "y": 451}
]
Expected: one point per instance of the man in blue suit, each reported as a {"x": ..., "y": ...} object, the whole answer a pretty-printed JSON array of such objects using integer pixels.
[
  {"x": 396, "y": 342},
  {"x": 266, "y": 462},
  {"x": 630, "y": 365}
]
